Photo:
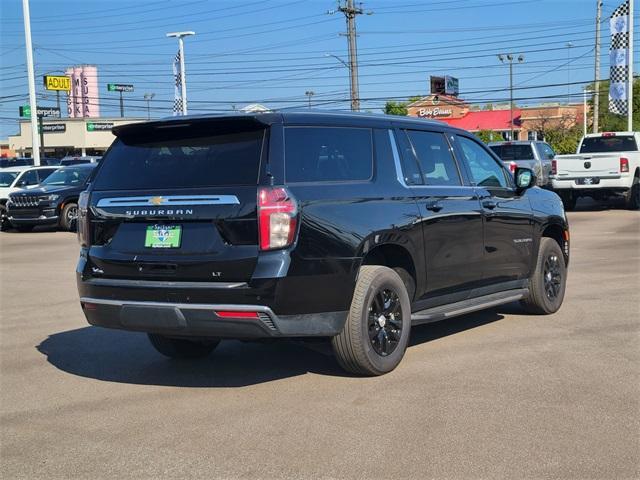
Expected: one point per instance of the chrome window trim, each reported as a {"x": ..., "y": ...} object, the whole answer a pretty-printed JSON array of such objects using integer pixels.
[{"x": 169, "y": 200}]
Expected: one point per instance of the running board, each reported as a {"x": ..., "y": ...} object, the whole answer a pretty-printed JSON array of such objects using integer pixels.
[{"x": 442, "y": 312}]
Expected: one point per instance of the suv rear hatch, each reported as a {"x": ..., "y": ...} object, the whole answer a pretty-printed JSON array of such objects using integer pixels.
[{"x": 176, "y": 201}]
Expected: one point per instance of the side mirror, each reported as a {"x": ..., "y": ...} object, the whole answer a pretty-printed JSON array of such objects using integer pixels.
[{"x": 525, "y": 178}]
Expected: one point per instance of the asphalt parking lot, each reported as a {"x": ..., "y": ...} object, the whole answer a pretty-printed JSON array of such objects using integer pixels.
[{"x": 496, "y": 394}]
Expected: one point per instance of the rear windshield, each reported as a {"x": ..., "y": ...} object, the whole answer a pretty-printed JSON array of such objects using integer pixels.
[
  {"x": 609, "y": 144},
  {"x": 174, "y": 159},
  {"x": 513, "y": 152}
]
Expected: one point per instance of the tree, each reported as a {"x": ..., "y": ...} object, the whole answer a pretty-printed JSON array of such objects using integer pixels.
[
  {"x": 563, "y": 134},
  {"x": 396, "y": 108},
  {"x": 609, "y": 122},
  {"x": 488, "y": 136}
]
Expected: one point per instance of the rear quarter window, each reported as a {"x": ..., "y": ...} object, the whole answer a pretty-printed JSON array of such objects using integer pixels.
[{"x": 328, "y": 154}]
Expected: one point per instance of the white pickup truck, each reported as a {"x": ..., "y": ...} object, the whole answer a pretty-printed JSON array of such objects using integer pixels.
[{"x": 606, "y": 165}]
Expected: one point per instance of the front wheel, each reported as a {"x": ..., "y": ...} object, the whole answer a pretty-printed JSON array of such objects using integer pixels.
[
  {"x": 68, "y": 216},
  {"x": 181, "y": 347},
  {"x": 376, "y": 332},
  {"x": 548, "y": 282}
]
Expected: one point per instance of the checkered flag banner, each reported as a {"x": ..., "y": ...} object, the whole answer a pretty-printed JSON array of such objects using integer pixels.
[
  {"x": 177, "y": 76},
  {"x": 619, "y": 60}
]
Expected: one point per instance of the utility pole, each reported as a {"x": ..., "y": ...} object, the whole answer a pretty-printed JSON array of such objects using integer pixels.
[
  {"x": 309, "y": 94},
  {"x": 596, "y": 93},
  {"x": 630, "y": 71},
  {"x": 585, "y": 90},
  {"x": 32, "y": 83},
  {"x": 350, "y": 12},
  {"x": 148, "y": 97},
  {"x": 183, "y": 75},
  {"x": 509, "y": 58},
  {"x": 121, "y": 105}
]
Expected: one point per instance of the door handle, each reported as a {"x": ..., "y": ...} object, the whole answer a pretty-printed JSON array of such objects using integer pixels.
[
  {"x": 489, "y": 204},
  {"x": 434, "y": 206}
]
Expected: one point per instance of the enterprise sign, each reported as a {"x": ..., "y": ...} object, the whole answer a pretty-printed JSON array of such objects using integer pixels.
[
  {"x": 119, "y": 87},
  {"x": 99, "y": 126},
  {"x": 53, "y": 128}
]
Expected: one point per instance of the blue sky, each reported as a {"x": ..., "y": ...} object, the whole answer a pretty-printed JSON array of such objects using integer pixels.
[{"x": 273, "y": 51}]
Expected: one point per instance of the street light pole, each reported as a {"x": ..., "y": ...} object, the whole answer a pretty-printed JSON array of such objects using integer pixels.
[
  {"x": 309, "y": 94},
  {"x": 509, "y": 58},
  {"x": 569, "y": 45},
  {"x": 35, "y": 151},
  {"x": 148, "y": 97},
  {"x": 183, "y": 75}
]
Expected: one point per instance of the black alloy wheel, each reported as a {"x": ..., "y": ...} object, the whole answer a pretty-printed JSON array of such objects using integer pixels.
[
  {"x": 385, "y": 322},
  {"x": 552, "y": 276}
]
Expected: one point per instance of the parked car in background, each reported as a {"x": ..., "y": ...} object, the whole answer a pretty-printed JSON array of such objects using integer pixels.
[
  {"x": 22, "y": 161},
  {"x": 606, "y": 165},
  {"x": 302, "y": 224},
  {"x": 534, "y": 155},
  {"x": 15, "y": 162},
  {"x": 53, "y": 202},
  {"x": 15, "y": 178},
  {"x": 78, "y": 160}
]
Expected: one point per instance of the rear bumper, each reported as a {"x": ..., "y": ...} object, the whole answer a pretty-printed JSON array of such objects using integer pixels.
[
  {"x": 201, "y": 320},
  {"x": 618, "y": 183}
]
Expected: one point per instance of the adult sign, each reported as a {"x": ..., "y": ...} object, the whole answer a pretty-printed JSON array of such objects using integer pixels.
[
  {"x": 25, "y": 111},
  {"x": 56, "y": 82},
  {"x": 119, "y": 87}
]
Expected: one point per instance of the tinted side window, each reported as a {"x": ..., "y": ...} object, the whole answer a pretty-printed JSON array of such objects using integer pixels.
[
  {"x": 484, "y": 170},
  {"x": 328, "y": 154},
  {"x": 434, "y": 157},
  {"x": 547, "y": 151},
  {"x": 44, "y": 173},
  {"x": 29, "y": 178}
]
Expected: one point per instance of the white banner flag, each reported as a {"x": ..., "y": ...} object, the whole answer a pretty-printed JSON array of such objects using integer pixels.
[{"x": 619, "y": 60}]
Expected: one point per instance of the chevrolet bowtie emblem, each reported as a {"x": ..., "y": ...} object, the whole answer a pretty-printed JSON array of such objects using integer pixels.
[{"x": 155, "y": 200}]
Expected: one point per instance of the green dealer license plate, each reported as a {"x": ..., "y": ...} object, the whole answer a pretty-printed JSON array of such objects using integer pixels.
[{"x": 163, "y": 236}]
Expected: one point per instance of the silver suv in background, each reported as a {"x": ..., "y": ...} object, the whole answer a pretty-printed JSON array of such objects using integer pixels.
[{"x": 534, "y": 155}]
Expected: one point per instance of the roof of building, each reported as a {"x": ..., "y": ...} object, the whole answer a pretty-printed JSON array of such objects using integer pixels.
[{"x": 485, "y": 120}]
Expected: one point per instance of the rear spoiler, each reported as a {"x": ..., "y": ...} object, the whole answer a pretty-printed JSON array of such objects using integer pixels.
[{"x": 233, "y": 122}]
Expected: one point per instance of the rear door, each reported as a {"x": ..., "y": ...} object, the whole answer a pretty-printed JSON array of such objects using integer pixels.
[
  {"x": 178, "y": 203},
  {"x": 508, "y": 219},
  {"x": 450, "y": 210}
]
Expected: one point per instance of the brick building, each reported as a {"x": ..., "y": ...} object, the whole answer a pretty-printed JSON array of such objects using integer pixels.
[{"x": 529, "y": 123}]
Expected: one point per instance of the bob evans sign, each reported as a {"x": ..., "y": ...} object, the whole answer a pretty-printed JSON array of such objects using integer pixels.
[{"x": 435, "y": 112}]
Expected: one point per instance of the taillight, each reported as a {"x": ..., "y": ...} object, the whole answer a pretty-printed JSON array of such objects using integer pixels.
[
  {"x": 83, "y": 225},
  {"x": 277, "y": 218},
  {"x": 624, "y": 164},
  {"x": 554, "y": 167},
  {"x": 512, "y": 167}
]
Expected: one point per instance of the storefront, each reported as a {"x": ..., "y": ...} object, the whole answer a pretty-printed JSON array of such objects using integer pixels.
[
  {"x": 528, "y": 122},
  {"x": 69, "y": 136}
]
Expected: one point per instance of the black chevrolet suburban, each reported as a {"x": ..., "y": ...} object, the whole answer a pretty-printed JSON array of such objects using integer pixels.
[{"x": 352, "y": 227}]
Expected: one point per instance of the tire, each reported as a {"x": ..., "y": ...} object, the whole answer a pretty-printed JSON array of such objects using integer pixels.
[
  {"x": 4, "y": 223},
  {"x": 568, "y": 201},
  {"x": 548, "y": 282},
  {"x": 68, "y": 215},
  {"x": 632, "y": 196},
  {"x": 180, "y": 347},
  {"x": 357, "y": 351}
]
